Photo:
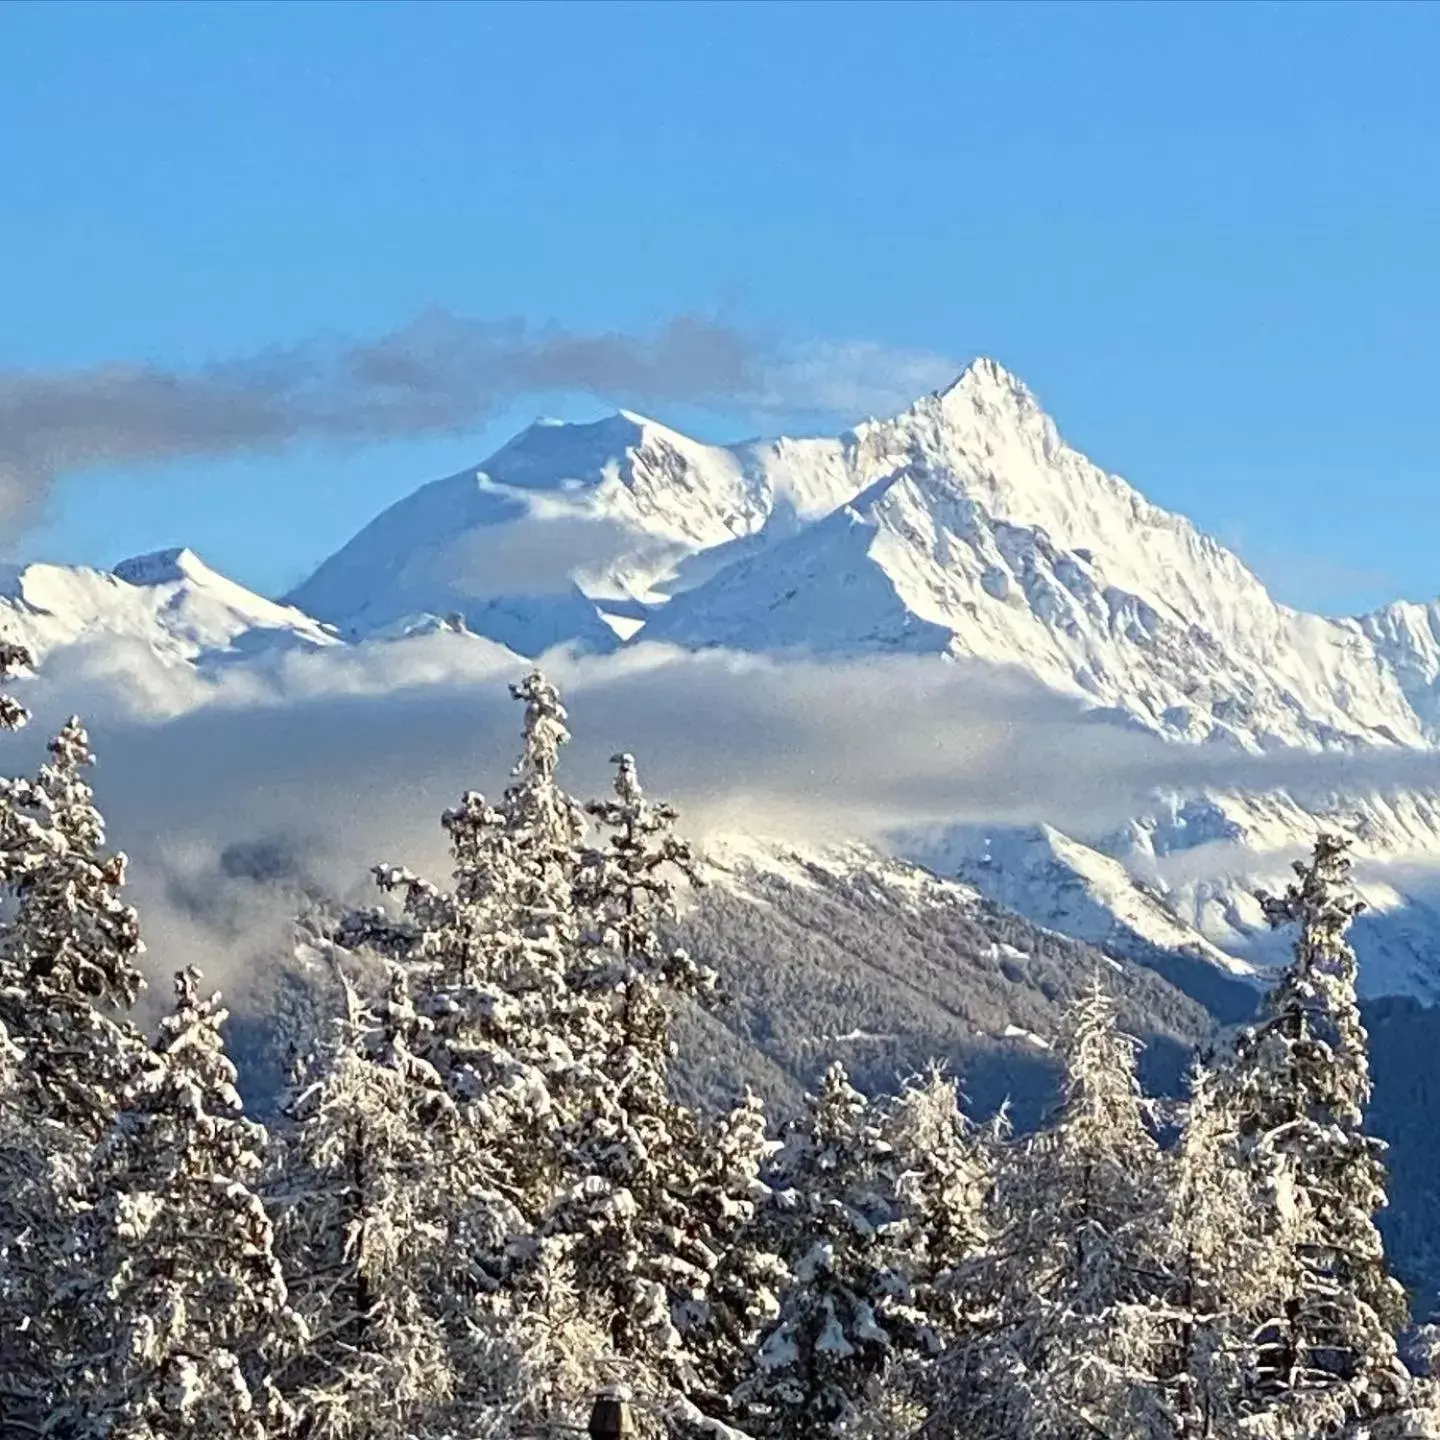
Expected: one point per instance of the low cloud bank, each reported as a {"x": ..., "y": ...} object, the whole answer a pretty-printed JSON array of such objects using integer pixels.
[{"x": 236, "y": 794}]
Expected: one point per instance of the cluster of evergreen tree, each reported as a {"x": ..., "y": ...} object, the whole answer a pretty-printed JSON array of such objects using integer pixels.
[{"x": 482, "y": 1202}]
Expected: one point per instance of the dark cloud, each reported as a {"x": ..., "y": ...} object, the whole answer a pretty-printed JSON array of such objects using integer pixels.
[{"x": 441, "y": 373}]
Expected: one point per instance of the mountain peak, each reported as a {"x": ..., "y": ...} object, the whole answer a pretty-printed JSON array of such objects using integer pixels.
[
  {"x": 550, "y": 451},
  {"x": 986, "y": 377},
  {"x": 163, "y": 567}
]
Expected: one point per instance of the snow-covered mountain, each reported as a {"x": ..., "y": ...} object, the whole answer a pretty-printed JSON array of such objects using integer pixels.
[
  {"x": 983, "y": 534},
  {"x": 1199, "y": 922},
  {"x": 170, "y": 602},
  {"x": 570, "y": 532},
  {"x": 963, "y": 527}
]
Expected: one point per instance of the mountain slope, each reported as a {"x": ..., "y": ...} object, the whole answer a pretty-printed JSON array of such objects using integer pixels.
[
  {"x": 887, "y": 968},
  {"x": 171, "y": 602},
  {"x": 563, "y": 523},
  {"x": 991, "y": 538}
]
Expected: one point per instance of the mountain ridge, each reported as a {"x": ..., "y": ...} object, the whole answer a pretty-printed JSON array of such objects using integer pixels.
[
  {"x": 169, "y": 601},
  {"x": 967, "y": 527},
  {"x": 981, "y": 511}
]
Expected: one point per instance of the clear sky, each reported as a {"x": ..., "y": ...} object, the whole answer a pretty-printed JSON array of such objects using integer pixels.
[{"x": 1206, "y": 235}]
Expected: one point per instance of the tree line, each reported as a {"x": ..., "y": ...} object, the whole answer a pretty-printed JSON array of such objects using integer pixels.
[{"x": 482, "y": 1201}]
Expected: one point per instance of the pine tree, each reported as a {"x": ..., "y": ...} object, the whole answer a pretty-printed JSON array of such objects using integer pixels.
[
  {"x": 722, "y": 1328},
  {"x": 1223, "y": 1270},
  {"x": 838, "y": 1327},
  {"x": 1299, "y": 1086},
  {"x": 68, "y": 953},
  {"x": 943, "y": 1175},
  {"x": 187, "y": 1306},
  {"x": 26, "y": 1211},
  {"x": 640, "y": 1254},
  {"x": 493, "y": 963},
  {"x": 21, "y": 1154},
  {"x": 1071, "y": 1350},
  {"x": 490, "y": 961},
  {"x": 359, "y": 1226},
  {"x": 938, "y": 1170}
]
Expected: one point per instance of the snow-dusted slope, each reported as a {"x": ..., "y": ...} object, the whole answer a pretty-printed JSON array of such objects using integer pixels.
[
  {"x": 987, "y": 536},
  {"x": 1178, "y": 883},
  {"x": 1075, "y": 889},
  {"x": 1406, "y": 637},
  {"x": 565, "y": 524},
  {"x": 1205, "y": 857},
  {"x": 887, "y": 966},
  {"x": 171, "y": 602}
]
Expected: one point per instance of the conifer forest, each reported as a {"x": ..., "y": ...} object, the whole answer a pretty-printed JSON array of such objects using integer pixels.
[{"x": 480, "y": 1205}]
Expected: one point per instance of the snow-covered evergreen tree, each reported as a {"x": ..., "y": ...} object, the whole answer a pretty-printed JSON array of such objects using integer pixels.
[
  {"x": 730, "y": 1208},
  {"x": 186, "y": 1303},
  {"x": 68, "y": 955},
  {"x": 1299, "y": 1086},
  {"x": 490, "y": 961},
  {"x": 938, "y": 1170},
  {"x": 1223, "y": 1270},
  {"x": 1073, "y": 1347},
  {"x": 841, "y": 1317},
  {"x": 641, "y": 1253},
  {"x": 27, "y": 1218},
  {"x": 943, "y": 1174},
  {"x": 362, "y": 1226},
  {"x": 494, "y": 964},
  {"x": 21, "y": 1157},
  {"x": 68, "y": 951}
]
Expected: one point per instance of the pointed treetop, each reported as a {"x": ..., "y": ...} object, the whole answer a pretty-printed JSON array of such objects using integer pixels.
[
  {"x": 1314, "y": 1000},
  {"x": 191, "y": 1011},
  {"x": 191, "y": 1041},
  {"x": 1324, "y": 891},
  {"x": 627, "y": 779},
  {"x": 15, "y": 660},
  {"x": 71, "y": 747},
  {"x": 71, "y": 931},
  {"x": 471, "y": 825},
  {"x": 631, "y": 811},
  {"x": 1092, "y": 1042},
  {"x": 546, "y": 729},
  {"x": 838, "y": 1109},
  {"x": 187, "y": 988}
]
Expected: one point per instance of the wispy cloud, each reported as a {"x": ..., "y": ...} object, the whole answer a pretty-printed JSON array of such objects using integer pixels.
[
  {"x": 851, "y": 378},
  {"x": 441, "y": 373}
]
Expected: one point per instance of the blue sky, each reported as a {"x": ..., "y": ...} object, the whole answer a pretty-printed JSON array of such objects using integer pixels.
[{"x": 1204, "y": 234}]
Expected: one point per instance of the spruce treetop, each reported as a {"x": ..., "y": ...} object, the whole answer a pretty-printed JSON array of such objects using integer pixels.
[{"x": 15, "y": 660}]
